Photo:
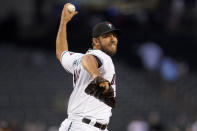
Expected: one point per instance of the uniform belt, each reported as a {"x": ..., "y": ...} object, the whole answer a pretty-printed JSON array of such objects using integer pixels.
[{"x": 98, "y": 125}]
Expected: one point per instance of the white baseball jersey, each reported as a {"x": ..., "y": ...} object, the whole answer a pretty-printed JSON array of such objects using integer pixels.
[{"x": 81, "y": 104}]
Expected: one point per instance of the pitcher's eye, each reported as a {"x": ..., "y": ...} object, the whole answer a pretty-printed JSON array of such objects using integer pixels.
[{"x": 114, "y": 34}]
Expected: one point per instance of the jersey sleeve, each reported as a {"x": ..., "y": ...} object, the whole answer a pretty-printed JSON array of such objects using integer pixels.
[{"x": 69, "y": 60}]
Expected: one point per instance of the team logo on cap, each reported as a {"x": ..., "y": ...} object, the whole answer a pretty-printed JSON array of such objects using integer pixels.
[{"x": 109, "y": 25}]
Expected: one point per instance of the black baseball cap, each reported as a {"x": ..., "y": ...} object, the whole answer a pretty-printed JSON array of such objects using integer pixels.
[{"x": 104, "y": 27}]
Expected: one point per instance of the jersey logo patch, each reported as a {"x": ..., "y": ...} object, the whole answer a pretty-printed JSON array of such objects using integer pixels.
[{"x": 76, "y": 62}]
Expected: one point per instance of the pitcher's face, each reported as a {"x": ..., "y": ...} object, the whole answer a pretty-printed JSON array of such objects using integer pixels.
[{"x": 108, "y": 43}]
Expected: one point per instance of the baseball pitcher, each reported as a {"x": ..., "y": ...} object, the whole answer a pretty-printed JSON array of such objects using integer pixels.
[{"x": 93, "y": 96}]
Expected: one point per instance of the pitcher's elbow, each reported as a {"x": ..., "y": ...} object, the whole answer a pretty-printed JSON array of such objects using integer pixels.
[{"x": 58, "y": 55}]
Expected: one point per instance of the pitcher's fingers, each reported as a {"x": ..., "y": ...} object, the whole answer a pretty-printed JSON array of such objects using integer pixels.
[
  {"x": 74, "y": 13},
  {"x": 105, "y": 85}
]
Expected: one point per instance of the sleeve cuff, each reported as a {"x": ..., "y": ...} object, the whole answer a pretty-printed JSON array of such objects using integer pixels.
[{"x": 63, "y": 53}]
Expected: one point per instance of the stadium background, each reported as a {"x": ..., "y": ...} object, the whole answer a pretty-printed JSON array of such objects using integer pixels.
[{"x": 155, "y": 64}]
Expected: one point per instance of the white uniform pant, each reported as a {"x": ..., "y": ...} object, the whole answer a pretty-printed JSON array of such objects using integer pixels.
[{"x": 73, "y": 125}]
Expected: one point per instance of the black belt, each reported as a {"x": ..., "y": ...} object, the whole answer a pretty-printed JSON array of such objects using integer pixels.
[{"x": 98, "y": 125}]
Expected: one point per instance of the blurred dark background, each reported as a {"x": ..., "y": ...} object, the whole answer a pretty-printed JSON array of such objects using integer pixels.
[{"x": 155, "y": 64}]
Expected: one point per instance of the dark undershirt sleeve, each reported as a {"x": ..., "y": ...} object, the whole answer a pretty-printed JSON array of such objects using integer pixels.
[{"x": 99, "y": 61}]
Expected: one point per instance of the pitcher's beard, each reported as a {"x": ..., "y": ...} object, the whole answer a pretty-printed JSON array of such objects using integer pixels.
[{"x": 109, "y": 52}]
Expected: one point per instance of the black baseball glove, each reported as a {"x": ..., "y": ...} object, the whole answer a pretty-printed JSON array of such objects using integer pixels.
[{"x": 96, "y": 89}]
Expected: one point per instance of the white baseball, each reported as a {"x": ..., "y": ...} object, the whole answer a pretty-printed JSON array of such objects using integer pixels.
[{"x": 71, "y": 8}]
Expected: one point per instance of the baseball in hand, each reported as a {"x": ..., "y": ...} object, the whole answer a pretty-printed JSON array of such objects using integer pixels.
[{"x": 71, "y": 8}]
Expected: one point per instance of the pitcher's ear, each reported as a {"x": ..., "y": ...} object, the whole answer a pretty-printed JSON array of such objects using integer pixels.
[{"x": 95, "y": 42}]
